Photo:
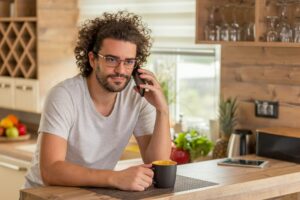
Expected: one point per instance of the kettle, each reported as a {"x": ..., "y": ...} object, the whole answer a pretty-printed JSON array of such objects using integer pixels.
[{"x": 239, "y": 143}]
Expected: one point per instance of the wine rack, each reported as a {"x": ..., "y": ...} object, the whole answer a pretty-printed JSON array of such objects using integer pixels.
[{"x": 18, "y": 49}]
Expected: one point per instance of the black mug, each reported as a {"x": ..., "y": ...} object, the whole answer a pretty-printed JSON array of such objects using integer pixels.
[{"x": 164, "y": 173}]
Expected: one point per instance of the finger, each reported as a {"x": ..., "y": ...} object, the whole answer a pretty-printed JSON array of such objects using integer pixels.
[
  {"x": 142, "y": 70},
  {"x": 147, "y": 165},
  {"x": 145, "y": 182},
  {"x": 147, "y": 179},
  {"x": 149, "y": 87},
  {"x": 151, "y": 79},
  {"x": 149, "y": 173},
  {"x": 139, "y": 187}
]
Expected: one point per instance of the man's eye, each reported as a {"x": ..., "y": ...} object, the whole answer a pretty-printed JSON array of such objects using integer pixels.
[
  {"x": 110, "y": 59},
  {"x": 129, "y": 62}
]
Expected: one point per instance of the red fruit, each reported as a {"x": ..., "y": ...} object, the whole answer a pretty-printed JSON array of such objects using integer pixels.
[
  {"x": 2, "y": 131},
  {"x": 180, "y": 156},
  {"x": 22, "y": 129}
]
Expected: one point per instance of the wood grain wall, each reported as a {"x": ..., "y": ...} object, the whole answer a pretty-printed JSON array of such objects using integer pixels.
[
  {"x": 57, "y": 33},
  {"x": 262, "y": 73}
]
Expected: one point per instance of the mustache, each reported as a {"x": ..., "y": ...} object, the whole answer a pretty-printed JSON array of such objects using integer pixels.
[{"x": 118, "y": 75}]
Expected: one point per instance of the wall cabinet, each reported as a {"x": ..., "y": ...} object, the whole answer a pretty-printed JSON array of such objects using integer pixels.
[
  {"x": 37, "y": 38},
  {"x": 239, "y": 13},
  {"x": 12, "y": 173},
  {"x": 19, "y": 93}
]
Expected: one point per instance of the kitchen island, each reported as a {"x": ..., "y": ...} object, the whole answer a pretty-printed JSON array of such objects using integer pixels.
[{"x": 277, "y": 179}]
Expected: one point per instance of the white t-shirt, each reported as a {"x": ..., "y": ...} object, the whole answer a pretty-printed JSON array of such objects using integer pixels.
[{"x": 94, "y": 141}]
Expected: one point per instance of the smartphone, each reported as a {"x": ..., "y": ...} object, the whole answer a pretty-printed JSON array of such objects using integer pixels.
[
  {"x": 137, "y": 79},
  {"x": 244, "y": 163}
]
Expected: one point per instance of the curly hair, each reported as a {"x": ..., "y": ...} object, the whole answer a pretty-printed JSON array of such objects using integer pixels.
[{"x": 122, "y": 26}]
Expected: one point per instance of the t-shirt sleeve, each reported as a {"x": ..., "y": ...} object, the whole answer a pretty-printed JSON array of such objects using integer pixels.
[
  {"x": 57, "y": 113},
  {"x": 146, "y": 120}
]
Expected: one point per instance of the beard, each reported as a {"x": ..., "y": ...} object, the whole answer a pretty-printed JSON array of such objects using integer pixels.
[{"x": 115, "y": 87}]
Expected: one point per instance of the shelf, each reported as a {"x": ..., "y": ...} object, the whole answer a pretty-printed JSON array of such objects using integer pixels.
[
  {"x": 261, "y": 9},
  {"x": 254, "y": 44},
  {"x": 17, "y": 19}
]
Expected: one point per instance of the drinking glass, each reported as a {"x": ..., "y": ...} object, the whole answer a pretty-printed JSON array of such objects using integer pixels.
[
  {"x": 283, "y": 27},
  {"x": 248, "y": 29},
  {"x": 272, "y": 34},
  {"x": 224, "y": 26},
  {"x": 234, "y": 29},
  {"x": 296, "y": 25},
  {"x": 212, "y": 30},
  {"x": 296, "y": 30}
]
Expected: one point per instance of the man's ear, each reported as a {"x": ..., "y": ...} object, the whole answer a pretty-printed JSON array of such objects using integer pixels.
[{"x": 92, "y": 59}]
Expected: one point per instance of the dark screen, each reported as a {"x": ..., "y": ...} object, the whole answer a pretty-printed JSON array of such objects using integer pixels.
[{"x": 243, "y": 162}]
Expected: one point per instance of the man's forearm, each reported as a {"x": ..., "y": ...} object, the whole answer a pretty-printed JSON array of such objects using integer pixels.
[
  {"x": 68, "y": 174},
  {"x": 160, "y": 144}
]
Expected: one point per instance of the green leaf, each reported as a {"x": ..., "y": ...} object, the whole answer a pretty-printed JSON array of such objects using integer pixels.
[{"x": 197, "y": 145}]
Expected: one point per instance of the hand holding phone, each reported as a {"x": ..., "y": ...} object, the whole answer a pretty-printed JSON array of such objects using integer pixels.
[{"x": 137, "y": 79}]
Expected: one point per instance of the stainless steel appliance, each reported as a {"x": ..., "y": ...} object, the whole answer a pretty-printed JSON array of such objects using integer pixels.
[{"x": 239, "y": 143}]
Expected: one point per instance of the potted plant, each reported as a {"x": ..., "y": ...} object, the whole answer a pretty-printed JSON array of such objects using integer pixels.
[
  {"x": 227, "y": 121},
  {"x": 189, "y": 146}
]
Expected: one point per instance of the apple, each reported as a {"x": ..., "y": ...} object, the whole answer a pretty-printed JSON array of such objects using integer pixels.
[
  {"x": 6, "y": 123},
  {"x": 180, "y": 156},
  {"x": 22, "y": 129},
  {"x": 2, "y": 131},
  {"x": 12, "y": 132}
]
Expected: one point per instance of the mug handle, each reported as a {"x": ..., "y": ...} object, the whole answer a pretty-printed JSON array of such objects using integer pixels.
[{"x": 153, "y": 169}]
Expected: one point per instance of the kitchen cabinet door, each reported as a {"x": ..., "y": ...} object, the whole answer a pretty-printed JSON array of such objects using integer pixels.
[
  {"x": 7, "y": 92},
  {"x": 26, "y": 95},
  {"x": 12, "y": 176}
]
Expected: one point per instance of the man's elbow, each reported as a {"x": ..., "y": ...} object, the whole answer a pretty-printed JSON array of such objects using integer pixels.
[{"x": 47, "y": 175}]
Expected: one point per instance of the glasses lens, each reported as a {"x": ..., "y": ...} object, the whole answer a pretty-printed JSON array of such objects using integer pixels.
[
  {"x": 129, "y": 63},
  {"x": 111, "y": 61}
]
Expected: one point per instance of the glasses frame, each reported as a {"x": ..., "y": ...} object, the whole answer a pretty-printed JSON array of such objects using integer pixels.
[{"x": 118, "y": 60}]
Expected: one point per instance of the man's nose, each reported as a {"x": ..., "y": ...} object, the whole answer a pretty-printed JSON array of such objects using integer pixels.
[{"x": 120, "y": 68}]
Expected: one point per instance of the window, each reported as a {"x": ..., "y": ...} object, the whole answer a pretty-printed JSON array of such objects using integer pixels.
[
  {"x": 190, "y": 78},
  {"x": 172, "y": 21}
]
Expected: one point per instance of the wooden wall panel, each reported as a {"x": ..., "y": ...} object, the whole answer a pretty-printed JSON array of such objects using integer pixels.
[
  {"x": 53, "y": 18},
  {"x": 260, "y": 56},
  {"x": 288, "y": 94},
  {"x": 289, "y": 116},
  {"x": 276, "y": 74},
  {"x": 49, "y": 4},
  {"x": 57, "y": 31},
  {"x": 260, "y": 73}
]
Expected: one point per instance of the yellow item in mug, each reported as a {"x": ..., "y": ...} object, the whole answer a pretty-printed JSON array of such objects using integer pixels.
[{"x": 164, "y": 162}]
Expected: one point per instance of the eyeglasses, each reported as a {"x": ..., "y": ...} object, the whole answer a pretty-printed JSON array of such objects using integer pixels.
[{"x": 112, "y": 61}]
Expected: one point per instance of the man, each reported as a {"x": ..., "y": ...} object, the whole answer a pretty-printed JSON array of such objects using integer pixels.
[{"x": 88, "y": 120}]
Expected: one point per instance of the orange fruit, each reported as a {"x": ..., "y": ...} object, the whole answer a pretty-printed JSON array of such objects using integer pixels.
[
  {"x": 13, "y": 118},
  {"x": 6, "y": 123}
]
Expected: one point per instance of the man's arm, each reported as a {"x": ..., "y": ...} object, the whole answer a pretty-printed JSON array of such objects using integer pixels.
[
  {"x": 158, "y": 145},
  {"x": 56, "y": 171}
]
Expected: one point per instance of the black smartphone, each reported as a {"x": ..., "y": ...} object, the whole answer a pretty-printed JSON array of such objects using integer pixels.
[
  {"x": 137, "y": 79},
  {"x": 244, "y": 163}
]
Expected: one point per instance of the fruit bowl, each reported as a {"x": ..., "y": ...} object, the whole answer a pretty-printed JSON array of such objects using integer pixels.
[
  {"x": 12, "y": 130},
  {"x": 16, "y": 139}
]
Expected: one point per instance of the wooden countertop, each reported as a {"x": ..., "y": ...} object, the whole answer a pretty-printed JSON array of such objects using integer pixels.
[
  {"x": 277, "y": 179},
  {"x": 10, "y": 149}
]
